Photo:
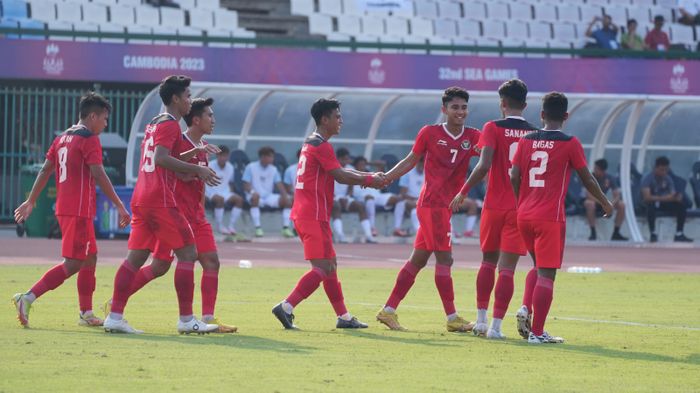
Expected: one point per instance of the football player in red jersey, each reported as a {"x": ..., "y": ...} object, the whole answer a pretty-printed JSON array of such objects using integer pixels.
[
  {"x": 446, "y": 148},
  {"x": 318, "y": 168},
  {"x": 156, "y": 218},
  {"x": 540, "y": 177},
  {"x": 500, "y": 240},
  {"x": 76, "y": 158},
  {"x": 189, "y": 194}
]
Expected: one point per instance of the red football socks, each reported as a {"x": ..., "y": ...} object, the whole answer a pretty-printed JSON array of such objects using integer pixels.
[
  {"x": 530, "y": 282},
  {"x": 122, "y": 286},
  {"x": 143, "y": 277},
  {"x": 541, "y": 301},
  {"x": 335, "y": 293},
  {"x": 404, "y": 282},
  {"x": 184, "y": 286},
  {"x": 443, "y": 282},
  {"x": 52, "y": 279},
  {"x": 503, "y": 293},
  {"x": 308, "y": 283},
  {"x": 485, "y": 279},
  {"x": 86, "y": 287},
  {"x": 210, "y": 287}
]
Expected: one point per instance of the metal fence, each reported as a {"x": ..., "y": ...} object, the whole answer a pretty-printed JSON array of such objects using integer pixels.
[{"x": 30, "y": 117}]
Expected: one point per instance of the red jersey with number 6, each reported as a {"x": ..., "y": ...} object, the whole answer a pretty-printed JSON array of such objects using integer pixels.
[
  {"x": 546, "y": 159},
  {"x": 313, "y": 195},
  {"x": 155, "y": 184},
  {"x": 502, "y": 136},
  {"x": 72, "y": 153},
  {"x": 446, "y": 162}
]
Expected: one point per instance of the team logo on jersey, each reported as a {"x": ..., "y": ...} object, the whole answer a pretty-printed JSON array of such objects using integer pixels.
[
  {"x": 53, "y": 65},
  {"x": 442, "y": 142},
  {"x": 376, "y": 74},
  {"x": 679, "y": 83},
  {"x": 466, "y": 145}
]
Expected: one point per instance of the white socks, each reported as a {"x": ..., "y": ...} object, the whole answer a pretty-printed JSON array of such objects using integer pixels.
[
  {"x": 481, "y": 316},
  {"x": 414, "y": 220},
  {"x": 285, "y": 216},
  {"x": 288, "y": 308},
  {"x": 338, "y": 229},
  {"x": 371, "y": 207},
  {"x": 255, "y": 215},
  {"x": 390, "y": 310},
  {"x": 235, "y": 213},
  {"x": 451, "y": 317},
  {"x": 367, "y": 229},
  {"x": 471, "y": 221},
  {"x": 496, "y": 324},
  {"x": 345, "y": 317},
  {"x": 219, "y": 216},
  {"x": 399, "y": 210}
]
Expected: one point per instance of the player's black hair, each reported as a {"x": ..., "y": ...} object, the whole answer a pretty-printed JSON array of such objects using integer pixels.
[
  {"x": 662, "y": 161},
  {"x": 224, "y": 149},
  {"x": 554, "y": 106},
  {"x": 454, "y": 92},
  {"x": 357, "y": 160},
  {"x": 602, "y": 164},
  {"x": 323, "y": 107},
  {"x": 630, "y": 21},
  {"x": 198, "y": 106},
  {"x": 92, "y": 102},
  {"x": 513, "y": 93},
  {"x": 173, "y": 85},
  {"x": 659, "y": 18},
  {"x": 266, "y": 151},
  {"x": 342, "y": 152}
]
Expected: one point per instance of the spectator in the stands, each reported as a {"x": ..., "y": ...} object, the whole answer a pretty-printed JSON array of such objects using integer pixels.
[
  {"x": 606, "y": 36},
  {"x": 656, "y": 38},
  {"x": 689, "y": 11},
  {"x": 630, "y": 39},
  {"x": 660, "y": 194},
  {"x": 607, "y": 183}
]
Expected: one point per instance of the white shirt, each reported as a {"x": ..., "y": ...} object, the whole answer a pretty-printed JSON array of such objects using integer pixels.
[
  {"x": 341, "y": 190},
  {"x": 262, "y": 179},
  {"x": 226, "y": 175},
  {"x": 413, "y": 181},
  {"x": 290, "y": 175},
  {"x": 690, "y": 6}
]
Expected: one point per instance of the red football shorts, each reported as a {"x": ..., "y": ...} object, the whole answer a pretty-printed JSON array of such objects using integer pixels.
[
  {"x": 78, "y": 237},
  {"x": 499, "y": 231},
  {"x": 203, "y": 239},
  {"x": 150, "y": 225},
  {"x": 317, "y": 238},
  {"x": 546, "y": 240},
  {"x": 435, "y": 231}
]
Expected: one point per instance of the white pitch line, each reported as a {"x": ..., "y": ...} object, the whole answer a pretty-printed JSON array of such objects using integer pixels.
[{"x": 256, "y": 249}]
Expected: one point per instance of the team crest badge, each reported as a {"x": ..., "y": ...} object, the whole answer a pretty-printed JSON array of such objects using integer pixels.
[{"x": 466, "y": 145}]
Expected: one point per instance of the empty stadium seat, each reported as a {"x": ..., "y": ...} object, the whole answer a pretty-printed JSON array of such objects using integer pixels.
[
  {"x": 640, "y": 14},
  {"x": 147, "y": 16},
  {"x": 534, "y": 43},
  {"x": 497, "y": 11},
  {"x": 320, "y": 24},
  {"x": 540, "y": 31},
  {"x": 564, "y": 32},
  {"x": 373, "y": 25},
  {"x": 60, "y": 25},
  {"x": 302, "y": 7},
  {"x": 172, "y": 17},
  {"x": 136, "y": 29},
  {"x": 682, "y": 34},
  {"x": 394, "y": 26},
  {"x": 112, "y": 28},
  {"x": 517, "y": 29},
  {"x": 201, "y": 19},
  {"x": 440, "y": 41},
  {"x": 469, "y": 28},
  {"x": 513, "y": 43},
  {"x": 618, "y": 14},
  {"x": 341, "y": 37},
  {"x": 409, "y": 39},
  {"x": 493, "y": 29},
  {"x": 667, "y": 13},
  {"x": 185, "y": 31},
  {"x": 161, "y": 30},
  {"x": 122, "y": 15},
  {"x": 598, "y": 2},
  {"x": 367, "y": 38},
  {"x": 187, "y": 4},
  {"x": 226, "y": 20},
  {"x": 426, "y": 9},
  {"x": 567, "y": 12},
  {"x": 91, "y": 27},
  {"x": 474, "y": 10},
  {"x": 560, "y": 45},
  {"x": 69, "y": 12},
  {"x": 446, "y": 28},
  {"x": 422, "y": 27},
  {"x": 219, "y": 33},
  {"x": 31, "y": 24},
  {"x": 588, "y": 12},
  {"x": 545, "y": 13},
  {"x": 351, "y": 25},
  {"x": 14, "y": 9},
  {"x": 449, "y": 10},
  {"x": 389, "y": 39},
  {"x": 349, "y": 8},
  {"x": 213, "y": 5},
  {"x": 463, "y": 42},
  {"x": 95, "y": 12},
  {"x": 522, "y": 11},
  {"x": 330, "y": 7},
  {"x": 43, "y": 11}
]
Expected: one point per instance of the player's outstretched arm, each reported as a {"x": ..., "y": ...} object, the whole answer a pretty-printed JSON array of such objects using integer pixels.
[
  {"x": 515, "y": 180},
  {"x": 402, "y": 167},
  {"x": 478, "y": 174},
  {"x": 98, "y": 173},
  {"x": 162, "y": 158},
  {"x": 25, "y": 209},
  {"x": 353, "y": 177},
  {"x": 209, "y": 149},
  {"x": 592, "y": 186}
]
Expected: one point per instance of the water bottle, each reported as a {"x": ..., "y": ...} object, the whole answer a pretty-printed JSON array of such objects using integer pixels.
[{"x": 245, "y": 264}]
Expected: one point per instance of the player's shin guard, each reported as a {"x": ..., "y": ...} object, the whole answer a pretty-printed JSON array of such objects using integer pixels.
[
  {"x": 541, "y": 301},
  {"x": 335, "y": 293},
  {"x": 503, "y": 293},
  {"x": 530, "y": 282},
  {"x": 210, "y": 287},
  {"x": 86, "y": 287},
  {"x": 51, "y": 280},
  {"x": 308, "y": 283},
  {"x": 143, "y": 277},
  {"x": 122, "y": 287},
  {"x": 184, "y": 286},
  {"x": 485, "y": 279},
  {"x": 443, "y": 282},
  {"x": 404, "y": 282}
]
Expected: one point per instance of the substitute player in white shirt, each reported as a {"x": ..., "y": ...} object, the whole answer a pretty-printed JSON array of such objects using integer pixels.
[
  {"x": 373, "y": 197},
  {"x": 222, "y": 194},
  {"x": 410, "y": 185},
  {"x": 344, "y": 202},
  {"x": 260, "y": 179}
]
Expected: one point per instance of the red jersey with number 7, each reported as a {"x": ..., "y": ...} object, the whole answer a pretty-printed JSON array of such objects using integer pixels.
[
  {"x": 155, "y": 184},
  {"x": 546, "y": 159},
  {"x": 446, "y": 162},
  {"x": 313, "y": 195},
  {"x": 502, "y": 136},
  {"x": 72, "y": 153}
]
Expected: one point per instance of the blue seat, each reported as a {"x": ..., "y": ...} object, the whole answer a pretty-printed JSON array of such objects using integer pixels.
[
  {"x": 14, "y": 9},
  {"x": 31, "y": 24}
]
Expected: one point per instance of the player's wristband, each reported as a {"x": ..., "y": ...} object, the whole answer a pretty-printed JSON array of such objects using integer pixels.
[
  {"x": 464, "y": 190},
  {"x": 368, "y": 181}
]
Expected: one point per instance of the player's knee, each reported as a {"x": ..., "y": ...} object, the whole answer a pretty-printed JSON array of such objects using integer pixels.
[
  {"x": 159, "y": 268},
  {"x": 620, "y": 206},
  {"x": 187, "y": 253},
  {"x": 71, "y": 266},
  {"x": 209, "y": 261},
  {"x": 491, "y": 257},
  {"x": 589, "y": 204}
]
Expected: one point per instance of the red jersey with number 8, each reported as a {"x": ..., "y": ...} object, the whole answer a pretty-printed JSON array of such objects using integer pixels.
[
  {"x": 313, "y": 195},
  {"x": 446, "y": 162},
  {"x": 546, "y": 159},
  {"x": 155, "y": 184},
  {"x": 502, "y": 136},
  {"x": 72, "y": 153}
]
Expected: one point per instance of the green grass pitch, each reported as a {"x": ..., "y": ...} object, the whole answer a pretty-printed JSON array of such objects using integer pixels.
[{"x": 659, "y": 351}]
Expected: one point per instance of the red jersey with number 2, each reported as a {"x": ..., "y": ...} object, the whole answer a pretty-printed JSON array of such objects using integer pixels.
[
  {"x": 72, "y": 153},
  {"x": 446, "y": 162},
  {"x": 502, "y": 136},
  {"x": 313, "y": 195},
  {"x": 546, "y": 159},
  {"x": 155, "y": 184}
]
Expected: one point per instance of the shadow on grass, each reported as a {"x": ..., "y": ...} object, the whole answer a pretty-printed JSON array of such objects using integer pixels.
[{"x": 409, "y": 337}]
